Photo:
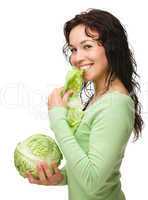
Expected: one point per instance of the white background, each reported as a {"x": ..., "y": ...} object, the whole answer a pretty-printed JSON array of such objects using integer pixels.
[{"x": 32, "y": 64}]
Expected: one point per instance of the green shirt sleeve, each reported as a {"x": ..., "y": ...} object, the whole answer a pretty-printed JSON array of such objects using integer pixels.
[{"x": 110, "y": 130}]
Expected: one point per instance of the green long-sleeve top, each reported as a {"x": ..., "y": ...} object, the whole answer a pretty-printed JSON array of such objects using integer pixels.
[{"x": 94, "y": 153}]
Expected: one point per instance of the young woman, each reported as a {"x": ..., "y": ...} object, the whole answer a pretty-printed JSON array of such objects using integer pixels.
[{"x": 97, "y": 42}]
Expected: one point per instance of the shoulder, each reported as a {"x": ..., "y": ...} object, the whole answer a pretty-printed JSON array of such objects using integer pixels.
[
  {"x": 113, "y": 113},
  {"x": 120, "y": 100},
  {"x": 112, "y": 106},
  {"x": 112, "y": 100},
  {"x": 117, "y": 103}
]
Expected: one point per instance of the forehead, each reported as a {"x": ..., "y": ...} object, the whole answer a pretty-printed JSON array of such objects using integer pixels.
[{"x": 77, "y": 35}]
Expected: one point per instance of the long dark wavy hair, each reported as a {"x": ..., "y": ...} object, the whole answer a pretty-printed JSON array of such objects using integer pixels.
[{"x": 121, "y": 62}]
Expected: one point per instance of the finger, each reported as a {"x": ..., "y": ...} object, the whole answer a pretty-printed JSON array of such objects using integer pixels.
[
  {"x": 52, "y": 179},
  {"x": 58, "y": 90},
  {"x": 58, "y": 176},
  {"x": 49, "y": 101},
  {"x": 61, "y": 88},
  {"x": 55, "y": 167},
  {"x": 49, "y": 97},
  {"x": 46, "y": 170},
  {"x": 67, "y": 95},
  {"x": 62, "y": 91},
  {"x": 31, "y": 179},
  {"x": 41, "y": 174}
]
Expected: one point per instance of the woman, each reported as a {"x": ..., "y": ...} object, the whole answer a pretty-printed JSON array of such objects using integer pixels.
[{"x": 97, "y": 42}]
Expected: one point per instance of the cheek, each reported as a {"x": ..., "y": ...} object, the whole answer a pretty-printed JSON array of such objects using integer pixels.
[
  {"x": 101, "y": 58},
  {"x": 104, "y": 59}
]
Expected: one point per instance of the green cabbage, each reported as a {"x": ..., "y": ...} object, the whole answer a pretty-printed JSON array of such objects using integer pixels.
[
  {"x": 37, "y": 147},
  {"x": 74, "y": 81}
]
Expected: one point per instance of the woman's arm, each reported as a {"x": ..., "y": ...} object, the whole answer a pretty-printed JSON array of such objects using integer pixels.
[{"x": 110, "y": 131}]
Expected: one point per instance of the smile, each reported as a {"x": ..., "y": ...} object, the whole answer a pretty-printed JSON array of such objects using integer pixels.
[{"x": 86, "y": 67}]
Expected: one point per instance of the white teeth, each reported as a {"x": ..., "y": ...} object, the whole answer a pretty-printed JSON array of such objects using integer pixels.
[{"x": 86, "y": 67}]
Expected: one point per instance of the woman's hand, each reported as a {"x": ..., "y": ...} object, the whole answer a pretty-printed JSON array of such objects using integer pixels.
[
  {"x": 45, "y": 176},
  {"x": 55, "y": 98}
]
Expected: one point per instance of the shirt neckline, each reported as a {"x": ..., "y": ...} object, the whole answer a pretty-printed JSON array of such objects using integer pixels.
[{"x": 106, "y": 94}]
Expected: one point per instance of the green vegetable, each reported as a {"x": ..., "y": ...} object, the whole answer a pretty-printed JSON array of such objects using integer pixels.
[
  {"x": 74, "y": 81},
  {"x": 35, "y": 148}
]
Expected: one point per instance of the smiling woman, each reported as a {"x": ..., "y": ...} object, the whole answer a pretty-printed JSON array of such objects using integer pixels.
[
  {"x": 109, "y": 60},
  {"x": 98, "y": 44}
]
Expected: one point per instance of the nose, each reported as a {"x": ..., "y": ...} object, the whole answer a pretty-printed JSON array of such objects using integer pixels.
[{"x": 78, "y": 58}]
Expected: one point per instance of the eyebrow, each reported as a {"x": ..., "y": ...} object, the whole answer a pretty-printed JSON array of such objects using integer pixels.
[{"x": 82, "y": 42}]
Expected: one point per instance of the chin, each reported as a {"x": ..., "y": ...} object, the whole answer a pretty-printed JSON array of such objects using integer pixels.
[{"x": 89, "y": 78}]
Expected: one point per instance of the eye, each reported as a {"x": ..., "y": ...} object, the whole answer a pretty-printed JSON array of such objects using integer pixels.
[
  {"x": 87, "y": 46},
  {"x": 72, "y": 49}
]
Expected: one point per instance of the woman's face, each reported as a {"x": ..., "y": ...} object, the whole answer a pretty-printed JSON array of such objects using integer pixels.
[{"x": 85, "y": 52}]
